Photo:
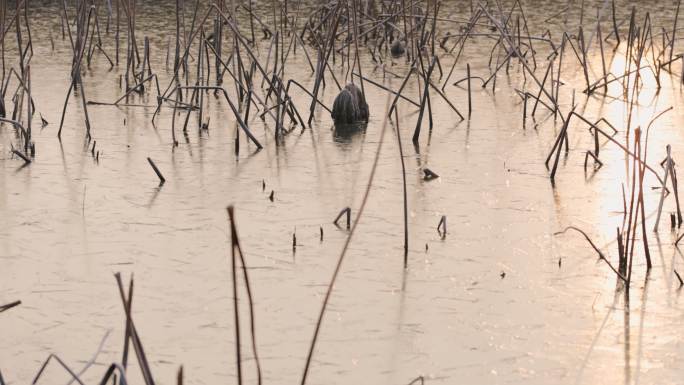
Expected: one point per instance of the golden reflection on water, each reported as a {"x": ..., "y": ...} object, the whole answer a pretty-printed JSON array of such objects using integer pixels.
[{"x": 628, "y": 338}]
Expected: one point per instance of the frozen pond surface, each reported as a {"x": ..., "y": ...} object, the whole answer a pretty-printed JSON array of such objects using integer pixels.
[{"x": 499, "y": 300}]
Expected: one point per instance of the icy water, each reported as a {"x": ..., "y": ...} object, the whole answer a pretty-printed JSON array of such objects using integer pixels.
[{"x": 499, "y": 300}]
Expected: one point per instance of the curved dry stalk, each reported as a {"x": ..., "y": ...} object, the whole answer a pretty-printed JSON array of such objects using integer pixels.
[
  {"x": 601, "y": 255},
  {"x": 235, "y": 244},
  {"x": 344, "y": 251}
]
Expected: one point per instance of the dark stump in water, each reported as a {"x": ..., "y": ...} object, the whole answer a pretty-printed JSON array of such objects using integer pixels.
[
  {"x": 350, "y": 106},
  {"x": 398, "y": 48}
]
